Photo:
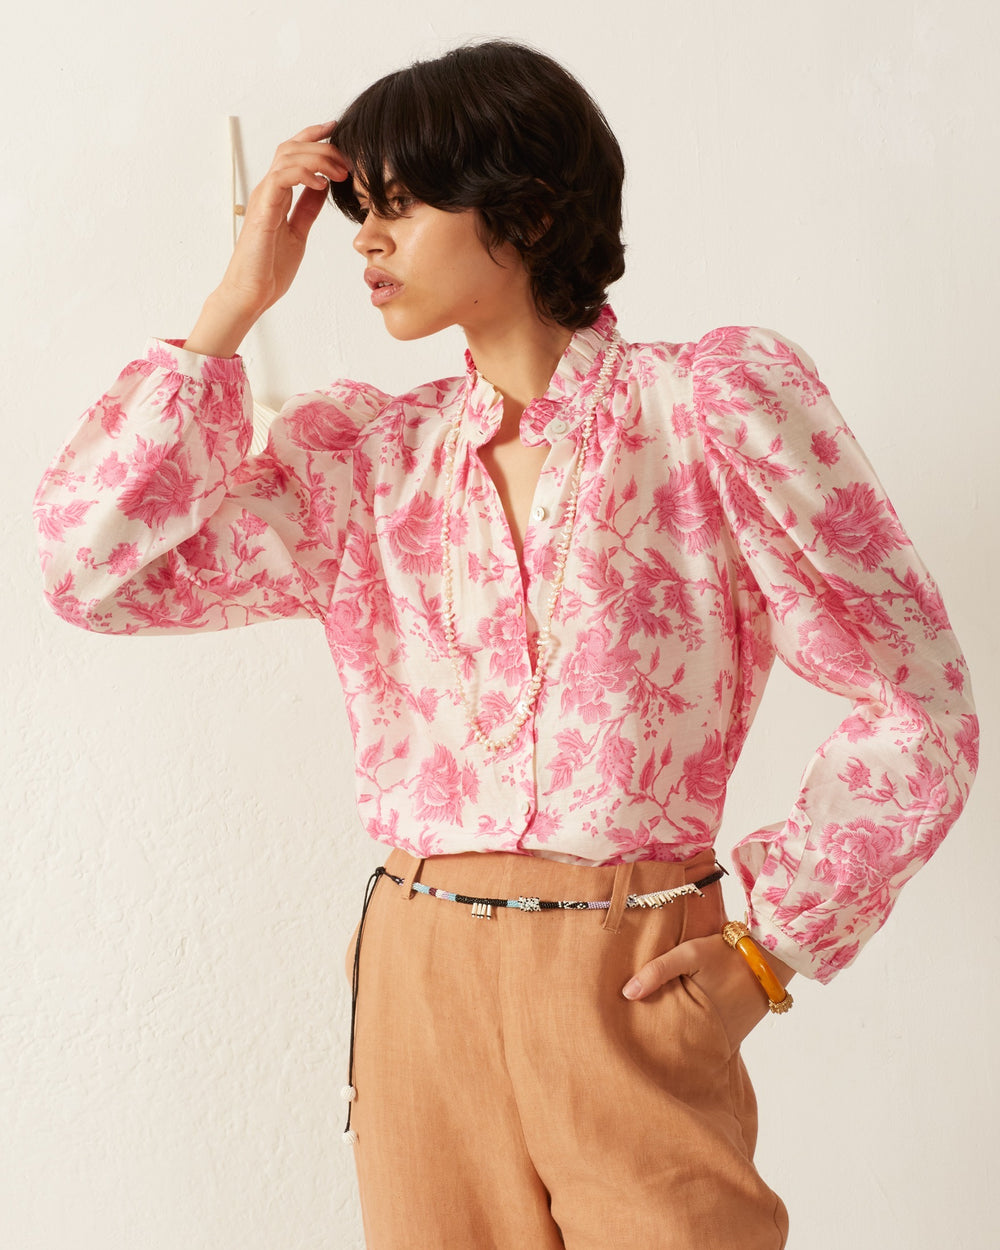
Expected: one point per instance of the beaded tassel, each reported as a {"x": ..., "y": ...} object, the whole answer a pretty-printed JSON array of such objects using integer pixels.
[{"x": 660, "y": 897}]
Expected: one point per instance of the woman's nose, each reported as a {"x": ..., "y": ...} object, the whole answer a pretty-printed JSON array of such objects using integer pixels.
[{"x": 370, "y": 238}]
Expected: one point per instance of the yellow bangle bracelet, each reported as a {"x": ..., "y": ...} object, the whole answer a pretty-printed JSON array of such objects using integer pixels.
[{"x": 737, "y": 935}]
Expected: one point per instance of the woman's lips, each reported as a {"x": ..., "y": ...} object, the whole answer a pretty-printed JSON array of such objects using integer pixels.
[
  {"x": 382, "y": 294},
  {"x": 384, "y": 285}
]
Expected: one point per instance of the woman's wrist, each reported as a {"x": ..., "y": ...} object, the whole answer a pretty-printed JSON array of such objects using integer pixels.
[
  {"x": 770, "y": 972},
  {"x": 784, "y": 972},
  {"x": 221, "y": 327}
]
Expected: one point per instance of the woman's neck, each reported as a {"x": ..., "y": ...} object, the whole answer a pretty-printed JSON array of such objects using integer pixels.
[{"x": 518, "y": 356}]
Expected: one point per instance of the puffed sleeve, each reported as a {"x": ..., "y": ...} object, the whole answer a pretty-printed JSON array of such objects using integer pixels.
[
  {"x": 151, "y": 518},
  {"x": 847, "y": 604}
]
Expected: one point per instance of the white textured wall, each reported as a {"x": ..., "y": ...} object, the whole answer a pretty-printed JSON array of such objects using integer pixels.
[{"x": 182, "y": 861}]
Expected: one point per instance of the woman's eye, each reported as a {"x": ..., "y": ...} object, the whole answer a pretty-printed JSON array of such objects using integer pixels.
[{"x": 400, "y": 205}]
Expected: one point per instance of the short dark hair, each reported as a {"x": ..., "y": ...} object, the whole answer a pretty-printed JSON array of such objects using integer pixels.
[{"x": 504, "y": 129}]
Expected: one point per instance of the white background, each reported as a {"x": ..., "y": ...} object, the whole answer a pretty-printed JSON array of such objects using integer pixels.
[{"x": 183, "y": 864}]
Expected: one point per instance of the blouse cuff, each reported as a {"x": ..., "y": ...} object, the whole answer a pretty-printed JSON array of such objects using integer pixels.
[
  {"x": 170, "y": 354},
  {"x": 749, "y": 856}
]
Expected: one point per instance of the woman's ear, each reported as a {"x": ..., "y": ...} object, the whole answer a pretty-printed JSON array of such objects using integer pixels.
[
  {"x": 534, "y": 234},
  {"x": 541, "y": 228}
]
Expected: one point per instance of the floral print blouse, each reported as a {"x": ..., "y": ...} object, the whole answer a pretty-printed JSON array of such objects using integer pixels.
[{"x": 726, "y": 514}]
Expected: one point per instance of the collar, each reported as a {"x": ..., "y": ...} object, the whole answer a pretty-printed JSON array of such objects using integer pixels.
[{"x": 558, "y": 412}]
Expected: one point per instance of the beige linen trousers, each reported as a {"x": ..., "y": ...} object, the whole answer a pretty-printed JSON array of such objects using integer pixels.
[{"x": 508, "y": 1097}]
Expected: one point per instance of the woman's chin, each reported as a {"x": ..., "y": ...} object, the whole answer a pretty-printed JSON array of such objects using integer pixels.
[{"x": 405, "y": 328}]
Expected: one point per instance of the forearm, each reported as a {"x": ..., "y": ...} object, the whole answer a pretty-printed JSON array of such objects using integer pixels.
[{"x": 221, "y": 327}]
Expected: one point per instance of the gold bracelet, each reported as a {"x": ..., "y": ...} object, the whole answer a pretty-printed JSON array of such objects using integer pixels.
[{"x": 737, "y": 935}]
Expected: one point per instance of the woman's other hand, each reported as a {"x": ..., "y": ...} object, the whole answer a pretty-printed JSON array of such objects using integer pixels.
[
  {"x": 723, "y": 975},
  {"x": 272, "y": 239}
]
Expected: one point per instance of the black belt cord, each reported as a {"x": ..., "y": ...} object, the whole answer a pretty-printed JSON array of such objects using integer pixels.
[{"x": 355, "y": 982}]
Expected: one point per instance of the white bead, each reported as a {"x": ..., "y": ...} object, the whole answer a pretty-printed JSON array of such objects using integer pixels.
[
  {"x": 348, "y": 1093},
  {"x": 350, "y": 1137}
]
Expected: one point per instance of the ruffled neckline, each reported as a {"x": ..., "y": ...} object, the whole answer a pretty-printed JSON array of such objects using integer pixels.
[{"x": 557, "y": 413}]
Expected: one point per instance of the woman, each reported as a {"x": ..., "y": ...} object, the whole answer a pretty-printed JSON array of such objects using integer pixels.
[{"x": 553, "y": 587}]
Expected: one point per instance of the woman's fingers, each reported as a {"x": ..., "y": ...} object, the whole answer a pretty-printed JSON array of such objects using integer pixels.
[
  {"x": 664, "y": 968},
  {"x": 312, "y": 145},
  {"x": 304, "y": 161},
  {"x": 312, "y": 134},
  {"x": 310, "y": 165},
  {"x": 307, "y": 208}
]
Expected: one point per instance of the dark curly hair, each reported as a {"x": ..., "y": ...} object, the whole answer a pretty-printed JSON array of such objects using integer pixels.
[{"x": 506, "y": 130}]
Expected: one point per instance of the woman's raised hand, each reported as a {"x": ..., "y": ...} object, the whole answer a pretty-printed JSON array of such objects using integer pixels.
[{"x": 272, "y": 239}]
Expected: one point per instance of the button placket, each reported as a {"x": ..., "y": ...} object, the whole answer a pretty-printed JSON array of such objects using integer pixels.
[
  {"x": 489, "y": 537},
  {"x": 545, "y": 512}
]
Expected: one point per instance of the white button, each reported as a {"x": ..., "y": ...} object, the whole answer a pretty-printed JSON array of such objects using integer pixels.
[
  {"x": 526, "y": 807},
  {"x": 556, "y": 428},
  {"x": 538, "y": 513}
]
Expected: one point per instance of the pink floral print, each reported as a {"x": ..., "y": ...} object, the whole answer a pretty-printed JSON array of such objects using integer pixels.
[
  {"x": 726, "y": 515},
  {"x": 859, "y": 526}
]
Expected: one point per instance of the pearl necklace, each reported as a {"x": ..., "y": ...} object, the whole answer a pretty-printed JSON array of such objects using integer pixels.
[{"x": 546, "y": 643}]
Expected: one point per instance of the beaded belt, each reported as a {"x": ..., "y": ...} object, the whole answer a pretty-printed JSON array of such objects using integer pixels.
[{"x": 482, "y": 908}]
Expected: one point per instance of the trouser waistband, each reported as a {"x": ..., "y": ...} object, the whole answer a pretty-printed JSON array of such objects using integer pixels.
[
  {"x": 482, "y": 906},
  {"x": 503, "y": 879}
]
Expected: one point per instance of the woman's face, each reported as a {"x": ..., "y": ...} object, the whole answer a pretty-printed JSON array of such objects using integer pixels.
[{"x": 436, "y": 272}]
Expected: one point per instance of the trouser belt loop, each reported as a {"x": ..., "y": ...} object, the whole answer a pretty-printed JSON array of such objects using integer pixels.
[
  {"x": 411, "y": 874},
  {"x": 619, "y": 897}
]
